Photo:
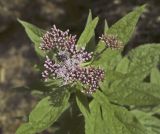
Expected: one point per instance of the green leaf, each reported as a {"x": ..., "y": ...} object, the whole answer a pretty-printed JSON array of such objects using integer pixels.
[
  {"x": 82, "y": 103},
  {"x": 109, "y": 78},
  {"x": 91, "y": 45},
  {"x": 117, "y": 120},
  {"x": 43, "y": 115},
  {"x": 94, "y": 123},
  {"x": 129, "y": 120},
  {"x": 25, "y": 129},
  {"x": 155, "y": 76},
  {"x": 156, "y": 110},
  {"x": 122, "y": 66},
  {"x": 89, "y": 19},
  {"x": 57, "y": 96},
  {"x": 88, "y": 33},
  {"x": 133, "y": 93},
  {"x": 108, "y": 59},
  {"x": 124, "y": 28},
  {"x": 35, "y": 34},
  {"x": 105, "y": 118},
  {"x": 142, "y": 60},
  {"x": 129, "y": 89},
  {"x": 108, "y": 121},
  {"x": 106, "y": 27},
  {"x": 151, "y": 123}
]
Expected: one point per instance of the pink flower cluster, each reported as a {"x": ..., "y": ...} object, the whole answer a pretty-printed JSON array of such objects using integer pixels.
[
  {"x": 68, "y": 60},
  {"x": 111, "y": 41}
]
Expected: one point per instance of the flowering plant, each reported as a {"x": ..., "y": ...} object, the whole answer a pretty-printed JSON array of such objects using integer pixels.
[
  {"x": 93, "y": 86},
  {"x": 69, "y": 59}
]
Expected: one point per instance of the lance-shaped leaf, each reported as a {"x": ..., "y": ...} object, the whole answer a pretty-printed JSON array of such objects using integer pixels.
[
  {"x": 106, "y": 27},
  {"x": 93, "y": 122},
  {"x": 101, "y": 45},
  {"x": 150, "y": 122},
  {"x": 82, "y": 103},
  {"x": 88, "y": 33},
  {"x": 110, "y": 119},
  {"x": 117, "y": 119},
  {"x": 91, "y": 45},
  {"x": 132, "y": 93},
  {"x": 25, "y": 129},
  {"x": 35, "y": 34},
  {"x": 92, "y": 115},
  {"x": 43, "y": 116},
  {"x": 89, "y": 19},
  {"x": 125, "y": 27}
]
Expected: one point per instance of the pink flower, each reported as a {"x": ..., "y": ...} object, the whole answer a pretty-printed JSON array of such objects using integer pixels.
[
  {"x": 68, "y": 60},
  {"x": 111, "y": 41}
]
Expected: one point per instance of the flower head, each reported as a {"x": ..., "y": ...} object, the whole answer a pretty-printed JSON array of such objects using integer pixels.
[
  {"x": 68, "y": 60},
  {"x": 111, "y": 41}
]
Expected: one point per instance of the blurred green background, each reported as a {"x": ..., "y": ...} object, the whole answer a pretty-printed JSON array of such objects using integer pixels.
[{"x": 17, "y": 53}]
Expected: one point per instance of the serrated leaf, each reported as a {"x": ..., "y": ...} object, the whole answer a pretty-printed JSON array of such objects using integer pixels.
[
  {"x": 110, "y": 119},
  {"x": 129, "y": 120},
  {"x": 142, "y": 60},
  {"x": 155, "y": 76},
  {"x": 117, "y": 120},
  {"x": 35, "y": 34},
  {"x": 44, "y": 115},
  {"x": 88, "y": 33},
  {"x": 133, "y": 93},
  {"x": 124, "y": 28},
  {"x": 128, "y": 89},
  {"x": 151, "y": 123}
]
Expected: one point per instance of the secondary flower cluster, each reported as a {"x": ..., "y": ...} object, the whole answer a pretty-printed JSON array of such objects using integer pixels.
[
  {"x": 111, "y": 41},
  {"x": 67, "y": 61}
]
